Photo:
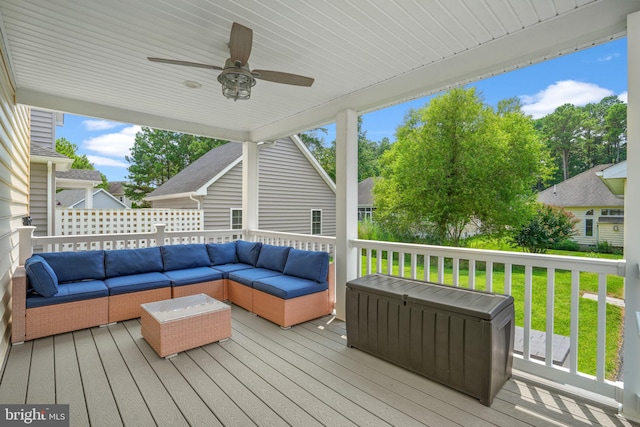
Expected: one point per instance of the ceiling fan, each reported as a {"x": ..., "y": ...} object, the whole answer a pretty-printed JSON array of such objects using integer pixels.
[{"x": 236, "y": 77}]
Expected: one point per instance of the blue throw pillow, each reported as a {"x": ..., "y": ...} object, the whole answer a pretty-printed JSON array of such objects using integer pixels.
[
  {"x": 222, "y": 253},
  {"x": 41, "y": 276},
  {"x": 125, "y": 262},
  {"x": 248, "y": 252},
  {"x": 180, "y": 257},
  {"x": 307, "y": 265},
  {"x": 76, "y": 266},
  {"x": 273, "y": 257}
]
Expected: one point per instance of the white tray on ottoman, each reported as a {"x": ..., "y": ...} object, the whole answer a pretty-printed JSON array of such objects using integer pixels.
[{"x": 180, "y": 324}]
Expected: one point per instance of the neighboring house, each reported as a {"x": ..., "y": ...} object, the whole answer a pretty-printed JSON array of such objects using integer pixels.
[
  {"x": 44, "y": 163},
  {"x": 116, "y": 189},
  {"x": 601, "y": 212},
  {"x": 296, "y": 194},
  {"x": 615, "y": 178},
  {"x": 365, "y": 199},
  {"x": 75, "y": 199}
]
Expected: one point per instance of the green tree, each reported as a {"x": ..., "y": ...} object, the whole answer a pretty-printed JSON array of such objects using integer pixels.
[
  {"x": 69, "y": 149},
  {"x": 564, "y": 132},
  {"x": 456, "y": 161},
  {"x": 615, "y": 125},
  {"x": 157, "y": 155},
  {"x": 547, "y": 226}
]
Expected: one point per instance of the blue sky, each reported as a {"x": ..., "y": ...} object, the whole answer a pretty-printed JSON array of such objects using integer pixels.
[{"x": 579, "y": 78}]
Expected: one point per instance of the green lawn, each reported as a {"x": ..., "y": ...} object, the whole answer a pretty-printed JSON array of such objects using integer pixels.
[{"x": 587, "y": 325}]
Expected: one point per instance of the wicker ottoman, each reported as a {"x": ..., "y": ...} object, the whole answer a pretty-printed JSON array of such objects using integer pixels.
[{"x": 179, "y": 324}]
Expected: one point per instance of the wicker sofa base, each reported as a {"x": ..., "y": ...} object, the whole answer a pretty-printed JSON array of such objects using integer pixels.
[
  {"x": 239, "y": 294},
  {"x": 127, "y": 306},
  {"x": 215, "y": 289},
  {"x": 61, "y": 318},
  {"x": 289, "y": 312}
]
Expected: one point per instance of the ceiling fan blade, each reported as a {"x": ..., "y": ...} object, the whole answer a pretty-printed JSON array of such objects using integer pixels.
[
  {"x": 187, "y": 63},
  {"x": 240, "y": 43},
  {"x": 284, "y": 78}
]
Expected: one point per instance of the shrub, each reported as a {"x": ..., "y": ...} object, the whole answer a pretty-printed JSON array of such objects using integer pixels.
[
  {"x": 548, "y": 226},
  {"x": 567, "y": 245}
]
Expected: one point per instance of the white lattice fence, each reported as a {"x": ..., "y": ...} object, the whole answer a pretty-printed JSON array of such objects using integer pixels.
[{"x": 116, "y": 221}]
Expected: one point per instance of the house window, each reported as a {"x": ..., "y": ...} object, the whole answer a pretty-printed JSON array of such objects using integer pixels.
[
  {"x": 365, "y": 214},
  {"x": 612, "y": 212},
  {"x": 316, "y": 221},
  {"x": 588, "y": 227},
  {"x": 236, "y": 219}
]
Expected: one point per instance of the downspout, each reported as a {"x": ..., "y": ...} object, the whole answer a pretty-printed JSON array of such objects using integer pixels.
[
  {"x": 195, "y": 200},
  {"x": 51, "y": 209}
]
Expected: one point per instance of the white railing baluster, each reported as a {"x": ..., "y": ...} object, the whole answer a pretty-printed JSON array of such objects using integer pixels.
[
  {"x": 456, "y": 272},
  {"x": 369, "y": 261},
  {"x": 401, "y": 264},
  {"x": 551, "y": 280},
  {"x": 440, "y": 269},
  {"x": 472, "y": 274},
  {"x": 575, "y": 309},
  {"x": 528, "y": 281},
  {"x": 414, "y": 267},
  {"x": 508, "y": 278},
  {"x": 602, "y": 326},
  {"x": 489, "y": 276},
  {"x": 427, "y": 268}
]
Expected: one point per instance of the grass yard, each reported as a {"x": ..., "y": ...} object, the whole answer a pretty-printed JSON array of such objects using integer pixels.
[{"x": 587, "y": 335}]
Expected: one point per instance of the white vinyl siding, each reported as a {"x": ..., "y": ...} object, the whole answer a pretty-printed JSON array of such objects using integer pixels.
[
  {"x": 14, "y": 193},
  {"x": 612, "y": 233},
  {"x": 222, "y": 195},
  {"x": 43, "y": 124},
  {"x": 289, "y": 188},
  {"x": 602, "y": 231},
  {"x": 177, "y": 203}
]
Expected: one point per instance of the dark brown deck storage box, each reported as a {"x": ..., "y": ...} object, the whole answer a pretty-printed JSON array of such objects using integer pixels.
[{"x": 459, "y": 337}]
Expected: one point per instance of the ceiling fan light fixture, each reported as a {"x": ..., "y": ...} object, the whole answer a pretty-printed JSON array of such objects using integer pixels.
[{"x": 236, "y": 83}]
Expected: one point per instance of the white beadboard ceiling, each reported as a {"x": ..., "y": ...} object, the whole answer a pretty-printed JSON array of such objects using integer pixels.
[{"x": 88, "y": 57}]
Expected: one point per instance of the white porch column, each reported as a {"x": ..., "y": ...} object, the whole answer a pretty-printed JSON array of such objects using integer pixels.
[
  {"x": 88, "y": 198},
  {"x": 250, "y": 185},
  {"x": 631, "y": 395},
  {"x": 346, "y": 204}
]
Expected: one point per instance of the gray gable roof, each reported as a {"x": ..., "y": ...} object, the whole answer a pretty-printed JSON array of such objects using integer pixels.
[
  {"x": 80, "y": 174},
  {"x": 200, "y": 172},
  {"x": 44, "y": 151},
  {"x": 584, "y": 189},
  {"x": 365, "y": 192}
]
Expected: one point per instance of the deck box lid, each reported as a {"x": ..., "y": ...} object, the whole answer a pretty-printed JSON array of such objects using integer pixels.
[
  {"x": 388, "y": 286},
  {"x": 469, "y": 302}
]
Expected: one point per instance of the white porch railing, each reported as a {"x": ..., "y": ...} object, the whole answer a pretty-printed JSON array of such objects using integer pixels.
[{"x": 431, "y": 261}]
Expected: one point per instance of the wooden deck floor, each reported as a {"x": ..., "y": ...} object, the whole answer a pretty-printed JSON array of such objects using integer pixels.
[{"x": 263, "y": 375}]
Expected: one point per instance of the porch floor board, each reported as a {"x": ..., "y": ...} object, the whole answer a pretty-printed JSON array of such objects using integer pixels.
[{"x": 263, "y": 375}]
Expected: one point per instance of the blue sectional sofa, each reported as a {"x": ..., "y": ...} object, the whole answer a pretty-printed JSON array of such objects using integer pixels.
[{"x": 64, "y": 291}]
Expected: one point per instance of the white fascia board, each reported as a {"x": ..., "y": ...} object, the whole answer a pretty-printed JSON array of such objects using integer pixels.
[
  {"x": 69, "y": 183},
  {"x": 314, "y": 162},
  {"x": 62, "y": 163},
  {"x": 173, "y": 196},
  {"x": 84, "y": 108}
]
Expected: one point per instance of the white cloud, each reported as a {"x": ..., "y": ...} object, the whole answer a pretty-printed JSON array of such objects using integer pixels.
[
  {"x": 113, "y": 144},
  {"x": 608, "y": 57},
  {"x": 99, "y": 124},
  {"x": 623, "y": 97},
  {"x": 562, "y": 92},
  {"x": 107, "y": 161}
]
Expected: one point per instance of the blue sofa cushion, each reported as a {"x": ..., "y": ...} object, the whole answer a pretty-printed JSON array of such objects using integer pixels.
[
  {"x": 286, "y": 287},
  {"x": 222, "y": 253},
  {"x": 70, "y": 292},
  {"x": 190, "y": 276},
  {"x": 248, "y": 252},
  {"x": 229, "y": 268},
  {"x": 179, "y": 257},
  {"x": 247, "y": 276},
  {"x": 137, "y": 282},
  {"x": 76, "y": 266},
  {"x": 125, "y": 262},
  {"x": 42, "y": 278},
  {"x": 307, "y": 265},
  {"x": 273, "y": 257}
]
